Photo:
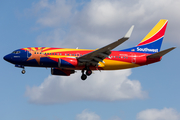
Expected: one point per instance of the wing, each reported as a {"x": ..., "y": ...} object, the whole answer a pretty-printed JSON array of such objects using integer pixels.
[{"x": 100, "y": 54}]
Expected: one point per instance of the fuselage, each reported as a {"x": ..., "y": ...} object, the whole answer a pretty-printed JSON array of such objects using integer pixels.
[
  {"x": 66, "y": 58},
  {"x": 64, "y": 61}
]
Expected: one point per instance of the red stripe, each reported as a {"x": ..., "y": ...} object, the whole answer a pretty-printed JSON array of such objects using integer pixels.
[
  {"x": 51, "y": 49},
  {"x": 157, "y": 36}
]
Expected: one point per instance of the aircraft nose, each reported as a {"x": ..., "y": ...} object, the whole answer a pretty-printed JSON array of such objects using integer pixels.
[{"x": 7, "y": 58}]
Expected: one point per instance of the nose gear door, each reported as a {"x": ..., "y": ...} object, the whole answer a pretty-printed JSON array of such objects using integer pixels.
[{"x": 28, "y": 54}]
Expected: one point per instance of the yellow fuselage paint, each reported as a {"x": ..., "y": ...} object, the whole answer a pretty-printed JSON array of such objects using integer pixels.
[{"x": 115, "y": 65}]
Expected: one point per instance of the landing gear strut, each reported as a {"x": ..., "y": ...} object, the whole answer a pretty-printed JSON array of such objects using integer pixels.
[{"x": 88, "y": 73}]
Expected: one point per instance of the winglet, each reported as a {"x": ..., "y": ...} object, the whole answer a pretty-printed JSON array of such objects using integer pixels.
[
  {"x": 161, "y": 53},
  {"x": 128, "y": 34}
]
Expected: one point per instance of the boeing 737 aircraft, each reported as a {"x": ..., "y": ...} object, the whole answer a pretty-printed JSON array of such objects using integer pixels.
[{"x": 64, "y": 61}]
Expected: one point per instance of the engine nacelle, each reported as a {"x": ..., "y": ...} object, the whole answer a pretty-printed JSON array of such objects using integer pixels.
[
  {"x": 67, "y": 62},
  {"x": 61, "y": 72}
]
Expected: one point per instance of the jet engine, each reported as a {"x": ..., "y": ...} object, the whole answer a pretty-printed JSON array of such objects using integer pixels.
[
  {"x": 61, "y": 72},
  {"x": 67, "y": 62}
]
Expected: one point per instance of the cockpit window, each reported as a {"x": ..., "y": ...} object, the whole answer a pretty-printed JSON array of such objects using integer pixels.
[{"x": 16, "y": 52}]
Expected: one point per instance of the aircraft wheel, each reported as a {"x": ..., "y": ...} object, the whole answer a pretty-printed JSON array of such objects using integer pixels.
[
  {"x": 83, "y": 77},
  {"x": 88, "y": 72},
  {"x": 23, "y": 71}
]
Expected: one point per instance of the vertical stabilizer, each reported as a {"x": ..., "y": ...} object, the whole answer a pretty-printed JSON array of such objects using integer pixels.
[
  {"x": 153, "y": 40},
  {"x": 156, "y": 34}
]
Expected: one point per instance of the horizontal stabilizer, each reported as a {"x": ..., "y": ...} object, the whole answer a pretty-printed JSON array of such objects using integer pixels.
[{"x": 161, "y": 53}]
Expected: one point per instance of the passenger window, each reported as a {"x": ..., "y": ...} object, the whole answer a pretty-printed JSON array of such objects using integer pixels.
[{"x": 72, "y": 54}]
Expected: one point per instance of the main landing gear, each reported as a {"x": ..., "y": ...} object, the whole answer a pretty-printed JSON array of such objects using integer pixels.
[{"x": 88, "y": 73}]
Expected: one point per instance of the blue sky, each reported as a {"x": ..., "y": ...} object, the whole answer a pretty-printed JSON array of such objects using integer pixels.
[{"x": 147, "y": 93}]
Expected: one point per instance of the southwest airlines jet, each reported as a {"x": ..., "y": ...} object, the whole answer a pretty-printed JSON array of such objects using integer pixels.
[{"x": 64, "y": 61}]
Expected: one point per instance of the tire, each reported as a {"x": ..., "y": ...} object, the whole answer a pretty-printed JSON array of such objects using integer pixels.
[
  {"x": 83, "y": 77},
  {"x": 23, "y": 71},
  {"x": 88, "y": 72}
]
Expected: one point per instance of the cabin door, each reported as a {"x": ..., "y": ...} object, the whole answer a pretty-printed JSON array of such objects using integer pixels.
[
  {"x": 28, "y": 54},
  {"x": 133, "y": 57}
]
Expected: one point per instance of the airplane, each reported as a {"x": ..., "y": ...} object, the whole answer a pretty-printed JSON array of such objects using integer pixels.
[{"x": 65, "y": 61}]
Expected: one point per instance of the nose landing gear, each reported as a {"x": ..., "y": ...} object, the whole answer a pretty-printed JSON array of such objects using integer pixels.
[
  {"x": 23, "y": 71},
  {"x": 21, "y": 66}
]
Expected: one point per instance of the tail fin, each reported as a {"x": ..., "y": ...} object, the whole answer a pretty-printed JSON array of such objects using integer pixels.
[{"x": 153, "y": 40}]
